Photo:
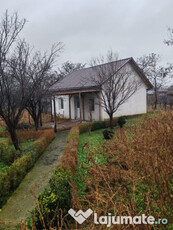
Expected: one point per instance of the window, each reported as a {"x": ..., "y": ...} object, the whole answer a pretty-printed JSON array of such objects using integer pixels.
[
  {"x": 91, "y": 104},
  {"x": 61, "y": 103}
]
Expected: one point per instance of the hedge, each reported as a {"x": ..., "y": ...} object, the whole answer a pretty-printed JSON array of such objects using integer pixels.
[
  {"x": 55, "y": 201},
  {"x": 114, "y": 122},
  {"x": 59, "y": 194},
  {"x": 91, "y": 126},
  {"x": 7, "y": 154},
  {"x": 70, "y": 157},
  {"x": 11, "y": 177}
]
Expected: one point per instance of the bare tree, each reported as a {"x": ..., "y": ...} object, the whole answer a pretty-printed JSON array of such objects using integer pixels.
[
  {"x": 169, "y": 40},
  {"x": 41, "y": 79},
  {"x": 12, "y": 97},
  {"x": 157, "y": 74},
  {"x": 69, "y": 67},
  {"x": 22, "y": 74},
  {"x": 116, "y": 84}
]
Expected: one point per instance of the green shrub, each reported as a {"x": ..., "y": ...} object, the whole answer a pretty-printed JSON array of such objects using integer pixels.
[
  {"x": 59, "y": 184},
  {"x": 7, "y": 154},
  {"x": 86, "y": 127},
  {"x": 121, "y": 121},
  {"x": 55, "y": 201},
  {"x": 98, "y": 125},
  {"x": 108, "y": 134},
  {"x": 114, "y": 122},
  {"x": 11, "y": 177},
  {"x": 18, "y": 170}
]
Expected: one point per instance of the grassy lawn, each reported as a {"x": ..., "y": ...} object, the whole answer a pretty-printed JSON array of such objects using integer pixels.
[
  {"x": 88, "y": 142},
  {"x": 2, "y": 129},
  {"x": 3, "y": 139},
  {"x": 24, "y": 145}
]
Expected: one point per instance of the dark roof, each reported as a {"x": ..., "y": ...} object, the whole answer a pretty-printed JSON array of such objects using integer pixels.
[{"x": 83, "y": 79}]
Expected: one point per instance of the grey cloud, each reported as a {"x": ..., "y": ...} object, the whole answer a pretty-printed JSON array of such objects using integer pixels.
[{"x": 89, "y": 28}]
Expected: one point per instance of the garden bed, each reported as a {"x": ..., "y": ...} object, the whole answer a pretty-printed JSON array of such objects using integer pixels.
[
  {"x": 135, "y": 170},
  {"x": 15, "y": 164}
]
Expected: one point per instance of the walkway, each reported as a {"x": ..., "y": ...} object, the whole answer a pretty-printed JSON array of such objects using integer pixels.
[{"x": 21, "y": 203}]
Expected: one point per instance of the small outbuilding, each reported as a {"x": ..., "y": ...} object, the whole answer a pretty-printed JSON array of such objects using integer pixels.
[{"x": 78, "y": 97}]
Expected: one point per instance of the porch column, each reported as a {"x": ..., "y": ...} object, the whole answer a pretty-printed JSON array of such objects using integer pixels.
[
  {"x": 80, "y": 101},
  {"x": 100, "y": 115},
  {"x": 70, "y": 107},
  {"x": 54, "y": 105},
  {"x": 83, "y": 106},
  {"x": 51, "y": 110}
]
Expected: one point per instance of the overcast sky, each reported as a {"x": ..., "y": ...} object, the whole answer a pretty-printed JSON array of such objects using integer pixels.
[{"x": 89, "y": 28}]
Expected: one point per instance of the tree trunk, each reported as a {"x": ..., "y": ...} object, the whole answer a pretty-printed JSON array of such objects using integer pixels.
[
  {"x": 155, "y": 102},
  {"x": 155, "y": 94},
  {"x": 111, "y": 121},
  {"x": 39, "y": 113},
  {"x": 36, "y": 123},
  {"x": 41, "y": 123},
  {"x": 14, "y": 138}
]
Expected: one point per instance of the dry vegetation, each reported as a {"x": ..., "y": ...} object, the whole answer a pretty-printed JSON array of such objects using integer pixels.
[{"x": 137, "y": 176}]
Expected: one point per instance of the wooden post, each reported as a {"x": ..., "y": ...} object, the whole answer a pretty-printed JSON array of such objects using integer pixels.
[
  {"x": 51, "y": 111},
  {"x": 83, "y": 108},
  {"x": 70, "y": 107},
  {"x": 54, "y": 114},
  {"x": 100, "y": 115},
  {"x": 80, "y": 101}
]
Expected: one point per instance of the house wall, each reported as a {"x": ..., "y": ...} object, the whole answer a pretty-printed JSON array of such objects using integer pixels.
[
  {"x": 137, "y": 103},
  {"x": 63, "y": 113}
]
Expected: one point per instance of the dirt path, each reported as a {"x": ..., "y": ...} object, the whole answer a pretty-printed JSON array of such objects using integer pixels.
[{"x": 21, "y": 203}]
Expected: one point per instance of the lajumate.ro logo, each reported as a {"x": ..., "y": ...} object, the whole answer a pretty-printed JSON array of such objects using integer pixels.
[{"x": 110, "y": 220}]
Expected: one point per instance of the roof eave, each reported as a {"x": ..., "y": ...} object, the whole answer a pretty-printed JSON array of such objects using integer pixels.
[
  {"x": 141, "y": 74},
  {"x": 75, "y": 90}
]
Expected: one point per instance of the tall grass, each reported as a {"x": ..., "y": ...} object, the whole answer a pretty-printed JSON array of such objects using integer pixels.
[{"x": 137, "y": 177}]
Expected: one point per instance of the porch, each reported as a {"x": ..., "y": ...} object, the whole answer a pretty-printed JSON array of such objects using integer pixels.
[{"x": 78, "y": 105}]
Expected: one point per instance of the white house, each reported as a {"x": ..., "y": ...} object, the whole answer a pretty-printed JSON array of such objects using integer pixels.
[{"x": 77, "y": 96}]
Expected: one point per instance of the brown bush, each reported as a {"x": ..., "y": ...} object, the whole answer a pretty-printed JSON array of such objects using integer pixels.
[
  {"x": 114, "y": 123},
  {"x": 137, "y": 175},
  {"x": 26, "y": 135},
  {"x": 42, "y": 142},
  {"x": 70, "y": 157}
]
